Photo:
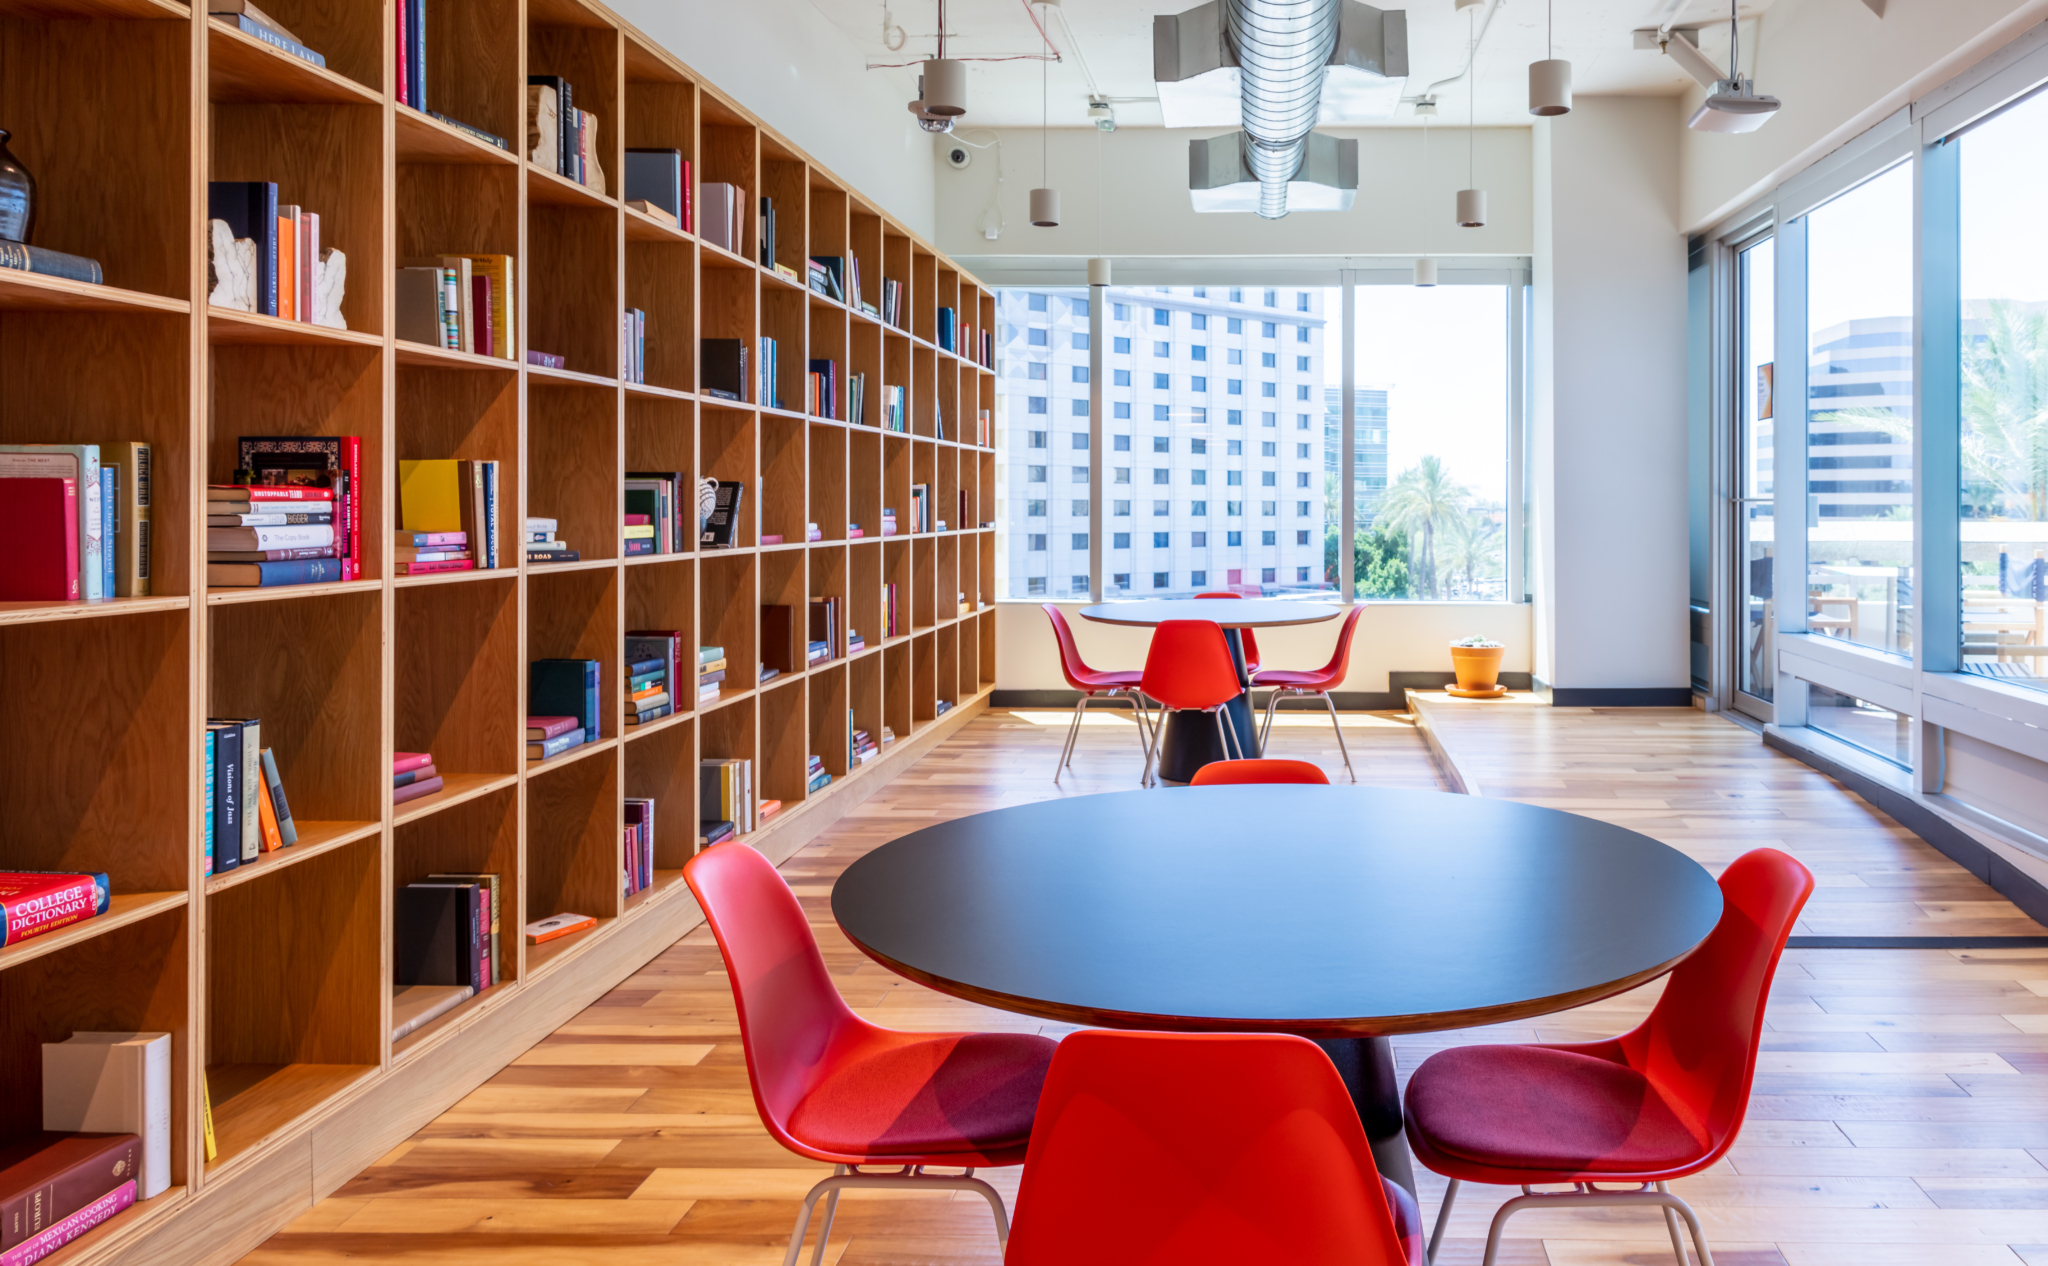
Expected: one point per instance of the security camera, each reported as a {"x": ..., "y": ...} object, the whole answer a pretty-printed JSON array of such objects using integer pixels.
[{"x": 958, "y": 156}]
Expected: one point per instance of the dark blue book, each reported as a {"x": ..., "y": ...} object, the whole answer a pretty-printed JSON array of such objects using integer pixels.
[
  {"x": 656, "y": 176},
  {"x": 227, "y": 794},
  {"x": 247, "y": 26},
  {"x": 305, "y": 571},
  {"x": 566, "y": 688},
  {"x": 487, "y": 550},
  {"x": 416, "y": 53},
  {"x": 110, "y": 523},
  {"x": 249, "y": 208}
]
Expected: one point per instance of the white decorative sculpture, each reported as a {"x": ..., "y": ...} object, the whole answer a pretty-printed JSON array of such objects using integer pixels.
[
  {"x": 330, "y": 281},
  {"x": 234, "y": 269}
]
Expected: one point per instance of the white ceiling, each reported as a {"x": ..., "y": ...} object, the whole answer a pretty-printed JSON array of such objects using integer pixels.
[{"x": 1115, "y": 38}]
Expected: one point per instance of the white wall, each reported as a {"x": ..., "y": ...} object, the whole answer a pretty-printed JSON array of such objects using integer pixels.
[
  {"x": 1609, "y": 423},
  {"x": 1403, "y": 207},
  {"x": 1839, "y": 69},
  {"x": 803, "y": 76},
  {"x": 1391, "y": 637}
]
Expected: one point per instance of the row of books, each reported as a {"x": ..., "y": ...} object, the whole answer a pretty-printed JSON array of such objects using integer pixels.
[
  {"x": 921, "y": 508},
  {"x": 893, "y": 312},
  {"x": 267, "y": 258},
  {"x": 725, "y": 800},
  {"x": 105, "y": 1142},
  {"x": 76, "y": 519},
  {"x": 892, "y": 614},
  {"x": 291, "y": 514},
  {"x": 724, "y": 205},
  {"x": 560, "y": 691},
  {"x": 448, "y": 516},
  {"x": 764, "y": 234},
  {"x": 633, "y": 345},
  {"x": 861, "y": 746},
  {"x": 411, "y": 65},
  {"x": 636, "y": 849},
  {"x": 657, "y": 184},
  {"x": 559, "y": 137},
  {"x": 460, "y": 303},
  {"x": 252, "y": 21},
  {"x": 821, "y": 388},
  {"x": 544, "y": 543},
  {"x": 961, "y": 338},
  {"x": 246, "y": 814},
  {"x": 895, "y": 413},
  {"x": 445, "y": 946},
  {"x": 414, "y": 774},
  {"x": 660, "y": 510},
  {"x": 828, "y": 631}
]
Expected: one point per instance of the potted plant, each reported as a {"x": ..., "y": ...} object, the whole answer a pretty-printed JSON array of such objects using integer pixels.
[{"x": 1476, "y": 660}]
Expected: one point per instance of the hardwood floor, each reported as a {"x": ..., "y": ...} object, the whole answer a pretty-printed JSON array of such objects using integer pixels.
[{"x": 1900, "y": 1113}]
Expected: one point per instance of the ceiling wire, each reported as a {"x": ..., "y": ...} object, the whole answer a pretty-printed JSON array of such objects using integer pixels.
[{"x": 1492, "y": 8}]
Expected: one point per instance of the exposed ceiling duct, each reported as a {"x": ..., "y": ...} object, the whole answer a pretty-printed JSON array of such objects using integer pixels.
[{"x": 1277, "y": 68}]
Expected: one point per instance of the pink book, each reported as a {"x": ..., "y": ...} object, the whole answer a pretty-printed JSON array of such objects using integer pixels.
[
  {"x": 639, "y": 520},
  {"x": 413, "y": 791},
  {"x": 539, "y": 728},
  {"x": 48, "y": 1241},
  {"x": 424, "y": 540},
  {"x": 403, "y": 761},
  {"x": 446, "y": 564}
]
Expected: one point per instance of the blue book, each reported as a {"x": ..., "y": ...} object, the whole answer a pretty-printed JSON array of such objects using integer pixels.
[
  {"x": 304, "y": 571},
  {"x": 487, "y": 554},
  {"x": 227, "y": 794},
  {"x": 207, "y": 854},
  {"x": 242, "y": 22},
  {"x": 541, "y": 749},
  {"x": 110, "y": 501}
]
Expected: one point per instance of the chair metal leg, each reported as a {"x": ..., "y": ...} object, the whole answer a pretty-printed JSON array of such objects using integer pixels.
[
  {"x": 825, "y": 1228},
  {"x": 1266, "y": 730},
  {"x": 1144, "y": 719},
  {"x": 1222, "y": 733},
  {"x": 1587, "y": 1194},
  {"x": 1443, "y": 1219},
  {"x": 1073, "y": 732},
  {"x": 1671, "y": 1225},
  {"x": 1338, "y": 725},
  {"x": 913, "y": 1177}
]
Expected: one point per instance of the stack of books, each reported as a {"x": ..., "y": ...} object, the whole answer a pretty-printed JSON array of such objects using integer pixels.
[
  {"x": 888, "y": 521},
  {"x": 245, "y": 812},
  {"x": 38, "y": 901},
  {"x": 633, "y": 344},
  {"x": 821, "y": 389},
  {"x": 413, "y": 775},
  {"x": 828, "y": 276},
  {"x": 888, "y": 736},
  {"x": 544, "y": 543},
  {"x": 282, "y": 272},
  {"x": 105, "y": 1141},
  {"x": 75, "y": 517},
  {"x": 892, "y": 616},
  {"x": 445, "y": 946},
  {"x": 559, "y": 137},
  {"x": 638, "y": 535},
  {"x": 942, "y": 707},
  {"x": 812, "y": 532},
  {"x": 710, "y": 673},
  {"x": 325, "y": 467},
  {"x": 659, "y": 500},
  {"x": 55, "y": 1186},
  {"x": 564, "y": 688},
  {"x": 766, "y": 810},
  {"x": 651, "y": 651},
  {"x": 448, "y": 516},
  {"x": 815, "y": 776},
  {"x": 551, "y": 736},
  {"x": 647, "y": 693},
  {"x": 636, "y": 870},
  {"x": 855, "y": 531},
  {"x": 860, "y": 745},
  {"x": 855, "y": 642},
  {"x": 459, "y": 303},
  {"x": 258, "y": 536},
  {"x": 893, "y": 416},
  {"x": 556, "y": 926},
  {"x": 250, "y": 20},
  {"x": 725, "y": 799}
]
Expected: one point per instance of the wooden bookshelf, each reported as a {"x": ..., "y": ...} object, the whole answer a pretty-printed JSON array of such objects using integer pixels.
[{"x": 273, "y": 979}]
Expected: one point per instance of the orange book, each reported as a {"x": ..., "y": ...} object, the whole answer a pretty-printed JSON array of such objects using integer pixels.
[
  {"x": 266, "y": 817},
  {"x": 287, "y": 269},
  {"x": 768, "y": 809},
  {"x": 557, "y": 925}
]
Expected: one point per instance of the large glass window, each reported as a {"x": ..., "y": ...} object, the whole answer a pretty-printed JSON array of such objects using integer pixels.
[
  {"x": 1430, "y": 415},
  {"x": 2004, "y": 396},
  {"x": 1756, "y": 273},
  {"x": 1859, "y": 414}
]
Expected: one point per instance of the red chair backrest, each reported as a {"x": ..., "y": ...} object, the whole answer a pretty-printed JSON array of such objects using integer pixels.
[
  {"x": 1198, "y": 1148},
  {"x": 790, "y": 1012},
  {"x": 1224, "y": 773},
  {"x": 1340, "y": 658},
  {"x": 1699, "y": 1044},
  {"x": 1190, "y": 664},
  {"x": 1070, "y": 654},
  {"x": 1250, "y": 643}
]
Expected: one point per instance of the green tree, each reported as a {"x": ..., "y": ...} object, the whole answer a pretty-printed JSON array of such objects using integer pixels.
[
  {"x": 1470, "y": 545},
  {"x": 1379, "y": 561},
  {"x": 1420, "y": 502}
]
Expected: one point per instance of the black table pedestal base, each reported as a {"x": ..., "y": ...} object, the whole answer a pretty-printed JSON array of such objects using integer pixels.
[
  {"x": 1367, "y": 1066},
  {"x": 1192, "y": 741}
]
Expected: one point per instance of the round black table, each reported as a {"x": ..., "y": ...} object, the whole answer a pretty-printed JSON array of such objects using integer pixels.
[
  {"x": 1191, "y": 740},
  {"x": 1343, "y": 914}
]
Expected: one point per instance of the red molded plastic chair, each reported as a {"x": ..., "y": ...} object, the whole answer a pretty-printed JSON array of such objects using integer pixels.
[
  {"x": 1121, "y": 687},
  {"x": 1318, "y": 682},
  {"x": 1658, "y": 1103},
  {"x": 1188, "y": 668},
  {"x": 1224, "y": 773},
  {"x": 1204, "y": 1148},
  {"x": 831, "y": 1086},
  {"x": 1245, "y": 638}
]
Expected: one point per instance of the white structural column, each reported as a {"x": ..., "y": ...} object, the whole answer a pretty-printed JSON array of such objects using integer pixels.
[
  {"x": 1608, "y": 430},
  {"x": 1098, "y": 437}
]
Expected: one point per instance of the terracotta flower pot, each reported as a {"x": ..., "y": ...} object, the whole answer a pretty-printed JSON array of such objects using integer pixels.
[{"x": 1478, "y": 667}]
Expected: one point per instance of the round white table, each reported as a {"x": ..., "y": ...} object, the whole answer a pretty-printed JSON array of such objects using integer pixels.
[{"x": 1191, "y": 741}]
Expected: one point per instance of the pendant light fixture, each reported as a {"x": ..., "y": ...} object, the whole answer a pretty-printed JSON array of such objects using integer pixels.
[
  {"x": 1045, "y": 200},
  {"x": 1550, "y": 80},
  {"x": 1471, "y": 199}
]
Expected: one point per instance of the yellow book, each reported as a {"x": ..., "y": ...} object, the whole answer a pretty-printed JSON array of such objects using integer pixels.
[
  {"x": 206, "y": 1104},
  {"x": 430, "y": 496},
  {"x": 504, "y": 281}
]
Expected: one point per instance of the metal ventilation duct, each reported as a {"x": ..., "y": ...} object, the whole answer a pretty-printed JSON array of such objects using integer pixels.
[{"x": 1277, "y": 68}]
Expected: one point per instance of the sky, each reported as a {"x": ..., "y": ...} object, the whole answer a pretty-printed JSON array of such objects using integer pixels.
[{"x": 2004, "y": 188}]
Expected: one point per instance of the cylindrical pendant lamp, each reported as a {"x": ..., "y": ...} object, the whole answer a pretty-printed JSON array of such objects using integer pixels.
[
  {"x": 1425, "y": 271},
  {"x": 1550, "y": 88},
  {"x": 1471, "y": 208},
  {"x": 945, "y": 87},
  {"x": 1045, "y": 208}
]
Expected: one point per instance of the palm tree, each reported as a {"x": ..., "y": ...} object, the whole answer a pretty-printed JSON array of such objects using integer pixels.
[
  {"x": 1423, "y": 499},
  {"x": 1471, "y": 542}
]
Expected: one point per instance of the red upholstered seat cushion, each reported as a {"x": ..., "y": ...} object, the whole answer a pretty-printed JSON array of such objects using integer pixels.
[
  {"x": 1121, "y": 680},
  {"x": 910, "y": 1094},
  {"x": 1526, "y": 1107},
  {"x": 1407, "y": 1223},
  {"x": 1314, "y": 680}
]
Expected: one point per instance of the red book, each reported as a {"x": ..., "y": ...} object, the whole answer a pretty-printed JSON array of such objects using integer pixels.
[
  {"x": 47, "y": 1177},
  {"x": 39, "y": 522},
  {"x": 36, "y": 1249},
  {"x": 413, "y": 791},
  {"x": 446, "y": 564},
  {"x": 402, "y": 761},
  {"x": 639, "y": 520},
  {"x": 34, "y": 902},
  {"x": 485, "y": 334},
  {"x": 538, "y": 728},
  {"x": 352, "y": 456},
  {"x": 689, "y": 201},
  {"x": 269, "y": 492}
]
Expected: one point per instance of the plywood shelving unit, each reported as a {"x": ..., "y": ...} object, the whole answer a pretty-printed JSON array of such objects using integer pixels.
[{"x": 273, "y": 978}]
